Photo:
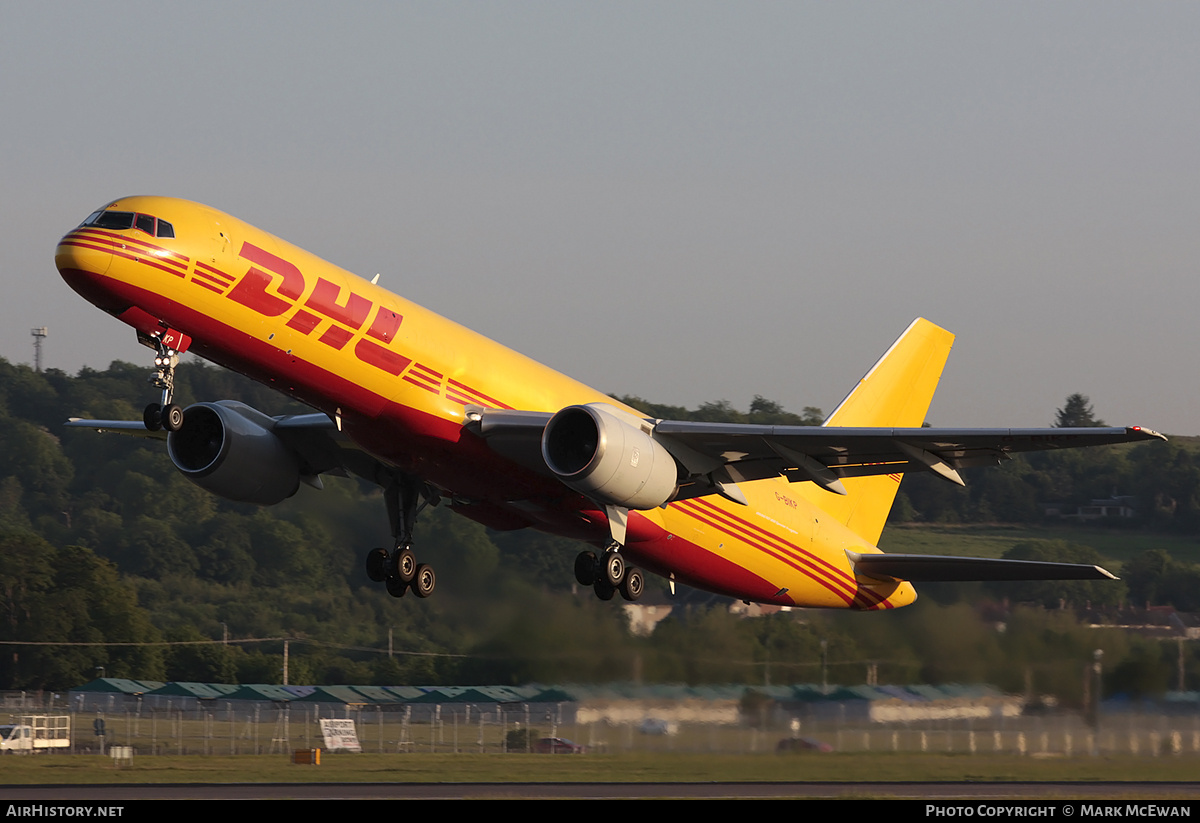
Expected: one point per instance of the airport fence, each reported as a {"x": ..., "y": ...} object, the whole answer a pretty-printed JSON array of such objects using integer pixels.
[{"x": 281, "y": 729}]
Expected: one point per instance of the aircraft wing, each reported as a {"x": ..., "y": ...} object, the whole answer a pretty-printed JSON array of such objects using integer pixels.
[
  {"x": 313, "y": 437},
  {"x": 923, "y": 568},
  {"x": 133, "y": 428},
  {"x": 716, "y": 455},
  {"x": 825, "y": 454}
]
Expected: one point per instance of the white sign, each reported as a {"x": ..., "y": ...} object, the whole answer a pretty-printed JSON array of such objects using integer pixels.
[{"x": 340, "y": 734}]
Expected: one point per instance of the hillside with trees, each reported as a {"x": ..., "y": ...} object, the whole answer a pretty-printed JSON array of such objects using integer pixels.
[{"x": 112, "y": 563}]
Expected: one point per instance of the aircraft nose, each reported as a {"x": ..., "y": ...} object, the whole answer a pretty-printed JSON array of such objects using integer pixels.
[
  {"x": 83, "y": 260},
  {"x": 80, "y": 252}
]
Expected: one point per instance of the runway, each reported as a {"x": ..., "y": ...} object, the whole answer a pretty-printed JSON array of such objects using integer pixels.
[{"x": 957, "y": 792}]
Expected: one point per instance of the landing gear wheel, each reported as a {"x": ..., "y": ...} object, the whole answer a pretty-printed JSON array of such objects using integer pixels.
[
  {"x": 604, "y": 590},
  {"x": 404, "y": 565},
  {"x": 613, "y": 569},
  {"x": 396, "y": 587},
  {"x": 405, "y": 496},
  {"x": 632, "y": 584},
  {"x": 152, "y": 417},
  {"x": 377, "y": 565},
  {"x": 424, "y": 581},
  {"x": 172, "y": 417},
  {"x": 585, "y": 568}
]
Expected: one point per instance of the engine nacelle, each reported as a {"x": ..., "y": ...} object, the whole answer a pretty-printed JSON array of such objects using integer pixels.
[
  {"x": 228, "y": 448},
  {"x": 605, "y": 453}
]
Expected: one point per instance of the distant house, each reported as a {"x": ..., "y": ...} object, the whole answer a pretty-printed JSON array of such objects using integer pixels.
[{"x": 1122, "y": 506}]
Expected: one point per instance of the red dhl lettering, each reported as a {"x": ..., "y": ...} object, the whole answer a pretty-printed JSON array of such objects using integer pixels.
[
  {"x": 324, "y": 300},
  {"x": 293, "y": 281},
  {"x": 254, "y": 291}
]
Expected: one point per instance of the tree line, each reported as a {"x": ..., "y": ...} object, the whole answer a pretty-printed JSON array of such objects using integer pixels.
[{"x": 112, "y": 563}]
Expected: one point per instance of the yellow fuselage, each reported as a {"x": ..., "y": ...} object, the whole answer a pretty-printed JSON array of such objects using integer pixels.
[{"x": 399, "y": 377}]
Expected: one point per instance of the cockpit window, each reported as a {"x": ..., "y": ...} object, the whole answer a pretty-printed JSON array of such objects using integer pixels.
[
  {"x": 128, "y": 220},
  {"x": 111, "y": 220}
]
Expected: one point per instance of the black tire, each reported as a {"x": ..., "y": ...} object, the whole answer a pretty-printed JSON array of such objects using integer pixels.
[
  {"x": 404, "y": 565},
  {"x": 424, "y": 581},
  {"x": 172, "y": 417},
  {"x": 632, "y": 584},
  {"x": 396, "y": 587},
  {"x": 377, "y": 565},
  {"x": 613, "y": 569},
  {"x": 585, "y": 568},
  {"x": 152, "y": 417},
  {"x": 603, "y": 590}
]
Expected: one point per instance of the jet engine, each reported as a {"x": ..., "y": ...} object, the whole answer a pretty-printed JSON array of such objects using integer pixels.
[
  {"x": 229, "y": 449},
  {"x": 610, "y": 456}
]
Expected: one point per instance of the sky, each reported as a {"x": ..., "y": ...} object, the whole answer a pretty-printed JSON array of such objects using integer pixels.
[{"x": 686, "y": 201}]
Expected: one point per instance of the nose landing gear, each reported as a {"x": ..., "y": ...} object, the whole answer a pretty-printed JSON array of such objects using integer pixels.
[{"x": 167, "y": 414}]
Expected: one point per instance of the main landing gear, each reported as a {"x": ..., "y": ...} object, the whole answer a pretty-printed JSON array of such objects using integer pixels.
[
  {"x": 398, "y": 569},
  {"x": 608, "y": 574},
  {"x": 167, "y": 414}
]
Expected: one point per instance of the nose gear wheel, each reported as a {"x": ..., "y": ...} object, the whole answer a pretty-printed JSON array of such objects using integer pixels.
[{"x": 165, "y": 414}]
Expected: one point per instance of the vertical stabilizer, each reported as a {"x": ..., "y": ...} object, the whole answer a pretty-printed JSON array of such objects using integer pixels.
[{"x": 896, "y": 392}]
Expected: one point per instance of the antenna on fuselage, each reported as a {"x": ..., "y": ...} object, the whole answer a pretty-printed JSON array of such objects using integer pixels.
[
  {"x": 375, "y": 279},
  {"x": 38, "y": 335}
]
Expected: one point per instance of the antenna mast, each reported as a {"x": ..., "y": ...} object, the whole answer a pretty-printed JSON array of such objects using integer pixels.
[{"x": 38, "y": 336}]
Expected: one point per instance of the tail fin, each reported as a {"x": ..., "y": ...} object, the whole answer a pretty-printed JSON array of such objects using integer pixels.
[{"x": 896, "y": 392}]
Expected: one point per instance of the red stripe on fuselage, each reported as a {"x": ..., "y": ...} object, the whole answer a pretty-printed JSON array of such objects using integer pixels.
[
  {"x": 121, "y": 242},
  {"x": 429, "y": 446},
  {"x": 214, "y": 274},
  {"x": 151, "y": 261},
  {"x": 736, "y": 528},
  {"x": 694, "y": 565},
  {"x": 446, "y": 455},
  {"x": 473, "y": 395},
  {"x": 867, "y": 600},
  {"x": 205, "y": 285},
  {"x": 819, "y": 564}
]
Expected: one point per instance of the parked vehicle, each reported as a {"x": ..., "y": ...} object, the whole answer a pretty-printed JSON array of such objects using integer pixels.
[
  {"x": 802, "y": 744},
  {"x": 654, "y": 725},
  {"x": 557, "y": 745},
  {"x": 35, "y": 732}
]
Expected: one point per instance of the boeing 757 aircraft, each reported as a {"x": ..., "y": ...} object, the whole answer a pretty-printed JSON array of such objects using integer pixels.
[{"x": 431, "y": 411}]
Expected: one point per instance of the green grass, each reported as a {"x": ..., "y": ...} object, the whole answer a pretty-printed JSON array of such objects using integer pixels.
[{"x": 634, "y": 768}]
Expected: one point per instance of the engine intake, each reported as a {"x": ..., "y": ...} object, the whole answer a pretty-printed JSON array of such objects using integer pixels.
[
  {"x": 228, "y": 448},
  {"x": 605, "y": 453}
]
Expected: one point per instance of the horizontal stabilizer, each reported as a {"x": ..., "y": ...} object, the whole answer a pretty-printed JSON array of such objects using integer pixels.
[{"x": 925, "y": 568}]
